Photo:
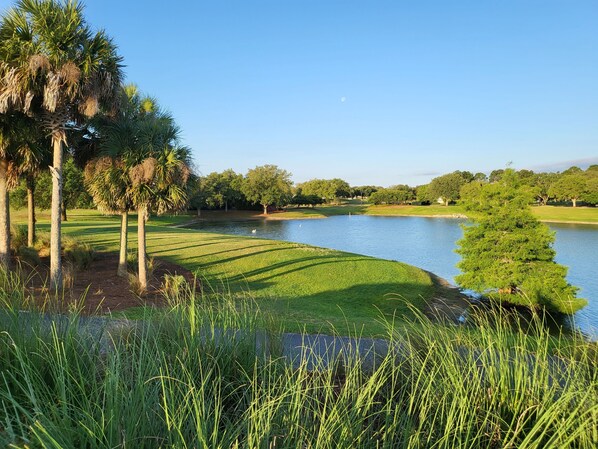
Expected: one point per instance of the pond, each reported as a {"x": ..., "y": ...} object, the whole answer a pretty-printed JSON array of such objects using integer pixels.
[{"x": 428, "y": 243}]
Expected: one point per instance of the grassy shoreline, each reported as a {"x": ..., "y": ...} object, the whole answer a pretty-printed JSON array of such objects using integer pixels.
[{"x": 548, "y": 214}]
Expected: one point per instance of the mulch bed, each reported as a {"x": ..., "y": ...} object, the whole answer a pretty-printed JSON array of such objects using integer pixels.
[{"x": 102, "y": 289}]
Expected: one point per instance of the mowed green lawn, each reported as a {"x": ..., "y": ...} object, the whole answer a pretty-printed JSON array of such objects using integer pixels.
[
  {"x": 302, "y": 287},
  {"x": 567, "y": 214}
]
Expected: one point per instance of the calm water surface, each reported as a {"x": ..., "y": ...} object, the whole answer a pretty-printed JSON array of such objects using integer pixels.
[{"x": 428, "y": 243}]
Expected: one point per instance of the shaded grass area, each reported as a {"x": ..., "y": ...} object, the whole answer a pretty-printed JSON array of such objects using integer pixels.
[
  {"x": 202, "y": 375},
  {"x": 302, "y": 287}
]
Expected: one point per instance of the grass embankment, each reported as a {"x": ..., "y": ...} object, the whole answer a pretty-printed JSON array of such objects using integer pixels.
[
  {"x": 302, "y": 287},
  {"x": 188, "y": 378}
]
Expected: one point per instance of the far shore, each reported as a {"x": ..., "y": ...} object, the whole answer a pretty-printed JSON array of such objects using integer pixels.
[{"x": 547, "y": 214}]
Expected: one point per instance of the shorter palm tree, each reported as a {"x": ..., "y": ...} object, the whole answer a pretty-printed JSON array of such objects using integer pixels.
[
  {"x": 107, "y": 181},
  {"x": 158, "y": 184}
]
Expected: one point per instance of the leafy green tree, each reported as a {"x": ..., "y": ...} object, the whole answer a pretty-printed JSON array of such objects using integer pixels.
[
  {"x": 222, "y": 189},
  {"x": 569, "y": 187},
  {"x": 306, "y": 200},
  {"x": 526, "y": 177},
  {"x": 364, "y": 191},
  {"x": 267, "y": 185},
  {"x": 543, "y": 183},
  {"x": 197, "y": 196},
  {"x": 75, "y": 195},
  {"x": 507, "y": 253},
  {"x": 57, "y": 69},
  {"x": 422, "y": 194},
  {"x": 574, "y": 170},
  {"x": 447, "y": 187},
  {"x": 591, "y": 195},
  {"x": 337, "y": 188},
  {"x": 400, "y": 194},
  {"x": 328, "y": 189},
  {"x": 496, "y": 175}
]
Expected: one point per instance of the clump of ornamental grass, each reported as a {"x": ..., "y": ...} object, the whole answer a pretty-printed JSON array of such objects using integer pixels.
[{"x": 205, "y": 374}]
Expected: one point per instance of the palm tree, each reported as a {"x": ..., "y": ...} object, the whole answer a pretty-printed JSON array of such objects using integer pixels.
[
  {"x": 107, "y": 176},
  {"x": 158, "y": 184},
  {"x": 140, "y": 167},
  {"x": 10, "y": 141},
  {"x": 53, "y": 66},
  {"x": 107, "y": 181},
  {"x": 158, "y": 172},
  {"x": 33, "y": 155}
]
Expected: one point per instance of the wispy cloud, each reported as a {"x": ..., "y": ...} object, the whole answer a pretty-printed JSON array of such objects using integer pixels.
[
  {"x": 428, "y": 173},
  {"x": 564, "y": 165}
]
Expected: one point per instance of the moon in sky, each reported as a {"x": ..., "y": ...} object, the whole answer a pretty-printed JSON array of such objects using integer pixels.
[{"x": 343, "y": 99}]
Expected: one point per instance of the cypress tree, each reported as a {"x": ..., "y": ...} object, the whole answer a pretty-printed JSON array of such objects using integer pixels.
[{"x": 507, "y": 253}]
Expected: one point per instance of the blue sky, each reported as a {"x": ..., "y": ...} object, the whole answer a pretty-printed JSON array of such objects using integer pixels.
[{"x": 374, "y": 92}]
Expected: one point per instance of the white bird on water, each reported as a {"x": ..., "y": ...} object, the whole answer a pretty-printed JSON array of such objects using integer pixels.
[{"x": 253, "y": 231}]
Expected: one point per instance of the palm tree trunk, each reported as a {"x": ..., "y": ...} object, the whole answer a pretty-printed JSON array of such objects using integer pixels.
[
  {"x": 122, "y": 258},
  {"x": 55, "y": 226},
  {"x": 4, "y": 216},
  {"x": 30, "y": 210},
  {"x": 141, "y": 255}
]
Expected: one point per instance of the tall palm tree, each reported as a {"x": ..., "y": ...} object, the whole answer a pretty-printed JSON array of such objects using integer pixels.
[
  {"x": 140, "y": 167},
  {"x": 158, "y": 169},
  {"x": 158, "y": 184},
  {"x": 52, "y": 65},
  {"x": 107, "y": 176}
]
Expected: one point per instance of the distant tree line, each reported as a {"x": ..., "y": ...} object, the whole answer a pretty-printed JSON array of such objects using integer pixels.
[
  {"x": 269, "y": 187},
  {"x": 572, "y": 186}
]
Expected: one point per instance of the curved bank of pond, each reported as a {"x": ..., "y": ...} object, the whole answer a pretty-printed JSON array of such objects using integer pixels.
[{"x": 425, "y": 242}]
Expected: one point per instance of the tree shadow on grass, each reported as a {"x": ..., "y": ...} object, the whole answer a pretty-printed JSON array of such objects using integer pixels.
[
  {"x": 362, "y": 308},
  {"x": 297, "y": 264}
]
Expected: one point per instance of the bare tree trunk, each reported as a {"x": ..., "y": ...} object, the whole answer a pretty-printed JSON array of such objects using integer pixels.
[
  {"x": 55, "y": 237},
  {"x": 199, "y": 211},
  {"x": 63, "y": 211},
  {"x": 141, "y": 255},
  {"x": 265, "y": 209},
  {"x": 30, "y": 210},
  {"x": 574, "y": 202},
  {"x": 226, "y": 206},
  {"x": 122, "y": 258},
  {"x": 4, "y": 216}
]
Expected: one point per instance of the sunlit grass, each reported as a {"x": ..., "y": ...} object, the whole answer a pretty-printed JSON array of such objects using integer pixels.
[
  {"x": 305, "y": 287},
  {"x": 566, "y": 214}
]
